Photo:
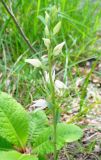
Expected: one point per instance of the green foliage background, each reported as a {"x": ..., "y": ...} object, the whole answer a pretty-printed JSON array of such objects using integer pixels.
[{"x": 80, "y": 23}]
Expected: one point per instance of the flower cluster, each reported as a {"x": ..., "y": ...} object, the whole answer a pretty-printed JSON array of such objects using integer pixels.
[{"x": 54, "y": 50}]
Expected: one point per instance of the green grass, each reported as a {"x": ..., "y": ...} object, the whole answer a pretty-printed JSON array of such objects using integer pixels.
[{"x": 80, "y": 22}]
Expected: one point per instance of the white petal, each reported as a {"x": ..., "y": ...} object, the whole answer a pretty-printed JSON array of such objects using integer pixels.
[
  {"x": 40, "y": 103},
  {"x": 53, "y": 74},
  {"x": 60, "y": 85},
  {"x": 58, "y": 49},
  {"x": 46, "y": 75},
  {"x": 34, "y": 62}
]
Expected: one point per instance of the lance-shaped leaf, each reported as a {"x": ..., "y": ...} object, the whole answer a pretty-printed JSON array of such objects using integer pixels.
[
  {"x": 14, "y": 121},
  {"x": 58, "y": 49},
  {"x": 13, "y": 155}
]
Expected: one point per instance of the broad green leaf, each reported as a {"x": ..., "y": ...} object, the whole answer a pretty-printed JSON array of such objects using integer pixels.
[
  {"x": 42, "y": 157},
  {"x": 13, "y": 155},
  {"x": 65, "y": 133},
  {"x": 38, "y": 123},
  {"x": 69, "y": 132},
  {"x": 28, "y": 157},
  {"x": 4, "y": 144},
  {"x": 14, "y": 120}
]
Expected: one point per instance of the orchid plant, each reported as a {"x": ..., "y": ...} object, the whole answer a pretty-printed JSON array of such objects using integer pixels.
[{"x": 55, "y": 86}]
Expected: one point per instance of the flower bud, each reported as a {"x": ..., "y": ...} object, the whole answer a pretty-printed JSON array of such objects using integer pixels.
[
  {"x": 46, "y": 31},
  {"x": 46, "y": 75},
  {"x": 56, "y": 29},
  {"x": 35, "y": 62},
  {"x": 46, "y": 42},
  {"x": 54, "y": 13},
  {"x": 60, "y": 85},
  {"x": 58, "y": 49},
  {"x": 47, "y": 17}
]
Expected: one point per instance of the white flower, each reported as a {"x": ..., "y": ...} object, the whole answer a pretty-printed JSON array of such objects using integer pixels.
[
  {"x": 34, "y": 62},
  {"x": 59, "y": 84},
  {"x": 58, "y": 49},
  {"x": 46, "y": 42},
  {"x": 60, "y": 87},
  {"x": 46, "y": 75},
  {"x": 40, "y": 103},
  {"x": 56, "y": 29}
]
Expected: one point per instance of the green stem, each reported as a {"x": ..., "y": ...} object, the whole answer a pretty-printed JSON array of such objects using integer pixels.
[{"x": 53, "y": 103}]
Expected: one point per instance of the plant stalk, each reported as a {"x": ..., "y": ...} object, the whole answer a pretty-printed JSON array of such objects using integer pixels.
[{"x": 53, "y": 103}]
